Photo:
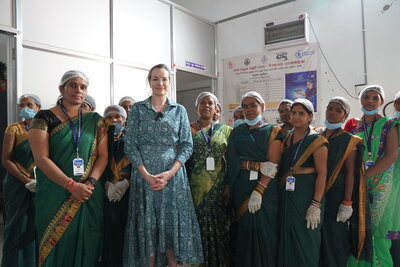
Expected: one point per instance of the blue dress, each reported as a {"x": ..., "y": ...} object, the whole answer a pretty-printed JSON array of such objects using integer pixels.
[{"x": 164, "y": 219}]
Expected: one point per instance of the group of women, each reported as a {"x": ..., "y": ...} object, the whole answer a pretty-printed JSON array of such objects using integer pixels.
[{"x": 149, "y": 188}]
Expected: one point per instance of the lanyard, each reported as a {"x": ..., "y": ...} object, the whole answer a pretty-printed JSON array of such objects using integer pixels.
[
  {"x": 293, "y": 160},
  {"x": 207, "y": 137},
  {"x": 368, "y": 136},
  {"x": 26, "y": 126},
  {"x": 256, "y": 133},
  {"x": 76, "y": 134},
  {"x": 333, "y": 133}
]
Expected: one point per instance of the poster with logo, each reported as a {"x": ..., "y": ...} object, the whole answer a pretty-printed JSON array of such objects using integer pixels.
[
  {"x": 302, "y": 85},
  {"x": 275, "y": 74}
]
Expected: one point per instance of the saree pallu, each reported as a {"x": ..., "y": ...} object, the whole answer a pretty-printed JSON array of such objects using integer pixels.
[
  {"x": 337, "y": 240},
  {"x": 298, "y": 246},
  {"x": 20, "y": 244},
  {"x": 70, "y": 234},
  {"x": 256, "y": 234},
  {"x": 115, "y": 213},
  {"x": 208, "y": 194},
  {"x": 383, "y": 197}
]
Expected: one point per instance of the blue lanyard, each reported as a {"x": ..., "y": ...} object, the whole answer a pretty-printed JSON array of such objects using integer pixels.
[
  {"x": 76, "y": 134},
  {"x": 333, "y": 133},
  {"x": 293, "y": 160},
  {"x": 368, "y": 136},
  {"x": 256, "y": 133},
  {"x": 207, "y": 137}
]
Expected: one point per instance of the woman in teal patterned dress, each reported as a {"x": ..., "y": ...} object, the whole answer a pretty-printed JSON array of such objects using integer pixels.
[
  {"x": 210, "y": 140},
  {"x": 162, "y": 223}
]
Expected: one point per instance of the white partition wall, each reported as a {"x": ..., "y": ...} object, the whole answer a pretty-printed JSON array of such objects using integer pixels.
[
  {"x": 194, "y": 44},
  {"x": 130, "y": 82},
  {"x": 6, "y": 14},
  {"x": 142, "y": 33},
  {"x": 75, "y": 25},
  {"x": 42, "y": 72}
]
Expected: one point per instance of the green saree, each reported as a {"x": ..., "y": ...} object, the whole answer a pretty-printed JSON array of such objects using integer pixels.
[
  {"x": 335, "y": 236},
  {"x": 256, "y": 236},
  {"x": 298, "y": 246},
  {"x": 20, "y": 245},
  {"x": 383, "y": 197},
  {"x": 208, "y": 194},
  {"x": 70, "y": 234}
]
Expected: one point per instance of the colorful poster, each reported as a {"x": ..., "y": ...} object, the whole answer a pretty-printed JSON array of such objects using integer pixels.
[{"x": 302, "y": 85}]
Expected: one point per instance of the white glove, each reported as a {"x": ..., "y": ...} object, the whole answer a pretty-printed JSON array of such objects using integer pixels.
[
  {"x": 121, "y": 188},
  {"x": 268, "y": 168},
  {"x": 313, "y": 217},
  {"x": 111, "y": 191},
  {"x": 31, "y": 186},
  {"x": 255, "y": 202},
  {"x": 344, "y": 213}
]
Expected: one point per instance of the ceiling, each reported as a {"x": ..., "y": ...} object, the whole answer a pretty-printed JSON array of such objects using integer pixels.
[{"x": 216, "y": 10}]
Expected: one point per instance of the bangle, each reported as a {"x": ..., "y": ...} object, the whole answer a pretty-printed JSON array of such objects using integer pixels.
[
  {"x": 72, "y": 187},
  {"x": 67, "y": 183},
  {"x": 263, "y": 185},
  {"x": 247, "y": 165},
  {"x": 257, "y": 166},
  {"x": 259, "y": 189},
  {"x": 316, "y": 203},
  {"x": 347, "y": 203}
]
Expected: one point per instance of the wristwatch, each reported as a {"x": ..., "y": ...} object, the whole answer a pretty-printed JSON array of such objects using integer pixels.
[{"x": 92, "y": 180}]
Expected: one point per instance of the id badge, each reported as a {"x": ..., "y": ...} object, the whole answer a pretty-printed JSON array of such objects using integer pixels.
[
  {"x": 253, "y": 175},
  {"x": 210, "y": 164},
  {"x": 368, "y": 164},
  {"x": 78, "y": 165},
  {"x": 290, "y": 183}
]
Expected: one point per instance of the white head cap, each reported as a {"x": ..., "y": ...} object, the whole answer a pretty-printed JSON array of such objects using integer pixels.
[
  {"x": 114, "y": 109},
  {"x": 73, "y": 74},
  {"x": 343, "y": 102},
  {"x": 204, "y": 94},
  {"x": 253, "y": 94},
  {"x": 305, "y": 103},
  {"x": 376, "y": 88}
]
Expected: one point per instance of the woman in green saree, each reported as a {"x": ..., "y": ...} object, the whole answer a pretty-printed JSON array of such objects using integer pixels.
[
  {"x": 253, "y": 152},
  {"x": 342, "y": 187},
  {"x": 117, "y": 176},
  {"x": 207, "y": 180},
  {"x": 380, "y": 136},
  {"x": 302, "y": 184},
  {"x": 20, "y": 244},
  {"x": 70, "y": 150}
]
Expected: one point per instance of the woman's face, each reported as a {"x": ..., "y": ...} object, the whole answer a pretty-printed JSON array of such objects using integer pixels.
[
  {"x": 206, "y": 108},
  {"x": 397, "y": 104},
  {"x": 299, "y": 116},
  {"x": 284, "y": 112},
  {"x": 238, "y": 115},
  {"x": 371, "y": 100},
  {"x": 309, "y": 85},
  {"x": 86, "y": 107},
  {"x": 335, "y": 113},
  {"x": 74, "y": 91},
  {"x": 251, "y": 108},
  {"x": 127, "y": 105},
  {"x": 28, "y": 103},
  {"x": 159, "y": 82},
  {"x": 115, "y": 117}
]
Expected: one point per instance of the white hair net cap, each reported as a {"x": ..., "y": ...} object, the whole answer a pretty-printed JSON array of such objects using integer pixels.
[
  {"x": 114, "y": 109},
  {"x": 34, "y": 97},
  {"x": 285, "y": 101},
  {"x": 73, "y": 74},
  {"x": 238, "y": 108},
  {"x": 397, "y": 96},
  {"x": 204, "y": 94},
  {"x": 253, "y": 94},
  {"x": 305, "y": 103},
  {"x": 90, "y": 101},
  {"x": 126, "y": 98},
  {"x": 376, "y": 88},
  {"x": 341, "y": 101}
]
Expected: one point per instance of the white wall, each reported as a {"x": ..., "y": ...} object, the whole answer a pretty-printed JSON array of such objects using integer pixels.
[{"x": 338, "y": 27}]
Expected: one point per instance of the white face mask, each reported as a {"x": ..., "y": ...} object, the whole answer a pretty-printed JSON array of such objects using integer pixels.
[
  {"x": 254, "y": 121},
  {"x": 119, "y": 127}
]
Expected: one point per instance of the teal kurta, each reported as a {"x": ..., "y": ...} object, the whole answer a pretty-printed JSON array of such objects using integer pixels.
[
  {"x": 256, "y": 235},
  {"x": 20, "y": 244},
  {"x": 298, "y": 246}
]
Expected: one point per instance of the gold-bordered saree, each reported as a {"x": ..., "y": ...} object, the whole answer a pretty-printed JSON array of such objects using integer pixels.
[{"x": 70, "y": 233}]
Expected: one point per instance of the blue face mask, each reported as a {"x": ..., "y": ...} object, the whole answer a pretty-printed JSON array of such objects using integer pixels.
[
  {"x": 237, "y": 123},
  {"x": 119, "y": 127},
  {"x": 27, "y": 113},
  {"x": 369, "y": 112},
  {"x": 397, "y": 114},
  {"x": 255, "y": 121},
  {"x": 332, "y": 126}
]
